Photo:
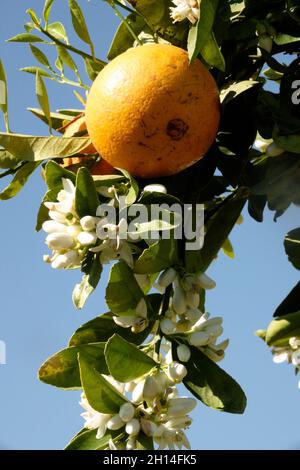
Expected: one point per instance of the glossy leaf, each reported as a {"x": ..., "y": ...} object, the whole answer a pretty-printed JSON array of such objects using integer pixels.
[
  {"x": 79, "y": 23},
  {"x": 100, "y": 394},
  {"x": 58, "y": 30},
  {"x": 47, "y": 10},
  {"x": 212, "y": 385},
  {"x": 212, "y": 54},
  {"x": 32, "y": 148},
  {"x": 123, "y": 292},
  {"x": 34, "y": 70},
  {"x": 103, "y": 327},
  {"x": 199, "y": 32},
  {"x": 88, "y": 284},
  {"x": 86, "y": 440},
  {"x": 54, "y": 174},
  {"x": 123, "y": 38},
  {"x": 125, "y": 361},
  {"x": 43, "y": 99},
  {"x": 86, "y": 199},
  {"x": 292, "y": 247},
  {"x": 19, "y": 180},
  {"x": 40, "y": 56},
  {"x": 290, "y": 304},
  {"x": 160, "y": 255},
  {"x": 25, "y": 37},
  {"x": 57, "y": 119},
  {"x": 62, "y": 369},
  {"x": 283, "y": 328}
]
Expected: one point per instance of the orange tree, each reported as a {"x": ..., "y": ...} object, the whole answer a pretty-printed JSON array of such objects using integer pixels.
[{"x": 149, "y": 226}]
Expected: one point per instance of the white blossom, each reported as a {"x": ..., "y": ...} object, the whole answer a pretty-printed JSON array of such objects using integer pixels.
[{"x": 189, "y": 9}]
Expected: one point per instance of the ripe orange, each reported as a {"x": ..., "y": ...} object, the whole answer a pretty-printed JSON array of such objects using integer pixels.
[
  {"x": 151, "y": 112},
  {"x": 99, "y": 168}
]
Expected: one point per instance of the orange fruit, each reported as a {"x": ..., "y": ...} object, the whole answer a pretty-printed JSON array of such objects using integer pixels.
[
  {"x": 151, "y": 112},
  {"x": 99, "y": 168}
]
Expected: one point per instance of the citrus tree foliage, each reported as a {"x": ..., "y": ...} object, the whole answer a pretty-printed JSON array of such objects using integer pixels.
[{"x": 128, "y": 360}]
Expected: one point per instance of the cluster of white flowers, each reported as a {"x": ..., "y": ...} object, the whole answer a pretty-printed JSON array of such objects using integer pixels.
[
  {"x": 68, "y": 235},
  {"x": 183, "y": 317},
  {"x": 289, "y": 353},
  {"x": 153, "y": 407},
  {"x": 137, "y": 322},
  {"x": 189, "y": 9}
]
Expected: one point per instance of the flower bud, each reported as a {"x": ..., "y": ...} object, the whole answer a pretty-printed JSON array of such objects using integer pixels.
[
  {"x": 192, "y": 299},
  {"x": 155, "y": 188},
  {"x": 59, "y": 241},
  {"x": 199, "y": 338},
  {"x": 115, "y": 423},
  {"x": 183, "y": 353},
  {"x": 181, "y": 406},
  {"x": 67, "y": 260},
  {"x": 126, "y": 412},
  {"x": 151, "y": 389},
  {"x": 273, "y": 150},
  {"x": 176, "y": 372},
  {"x": 179, "y": 422},
  {"x": 167, "y": 326},
  {"x": 137, "y": 394},
  {"x": 141, "y": 309},
  {"x": 133, "y": 427},
  {"x": 179, "y": 300},
  {"x": 131, "y": 444},
  {"x": 167, "y": 277},
  {"x": 88, "y": 222},
  {"x": 206, "y": 282},
  {"x": 74, "y": 230},
  {"x": 193, "y": 314},
  {"x": 124, "y": 322},
  {"x": 51, "y": 226},
  {"x": 87, "y": 238},
  {"x": 57, "y": 216},
  {"x": 148, "y": 427}
]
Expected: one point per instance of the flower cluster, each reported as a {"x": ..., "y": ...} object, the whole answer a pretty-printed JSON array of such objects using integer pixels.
[
  {"x": 68, "y": 235},
  {"x": 184, "y": 318},
  {"x": 289, "y": 353},
  {"x": 153, "y": 407},
  {"x": 189, "y": 9}
]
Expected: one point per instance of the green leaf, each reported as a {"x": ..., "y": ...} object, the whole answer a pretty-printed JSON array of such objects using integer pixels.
[
  {"x": 66, "y": 59},
  {"x": 86, "y": 440},
  {"x": 34, "y": 70},
  {"x": 54, "y": 174},
  {"x": 103, "y": 327},
  {"x": 290, "y": 304},
  {"x": 233, "y": 90},
  {"x": 283, "y": 328},
  {"x": 212, "y": 385},
  {"x": 125, "y": 361},
  {"x": 133, "y": 191},
  {"x": 88, "y": 284},
  {"x": 199, "y": 33},
  {"x": 86, "y": 199},
  {"x": 123, "y": 38},
  {"x": 292, "y": 247},
  {"x": 228, "y": 248},
  {"x": 25, "y": 37},
  {"x": 218, "y": 229},
  {"x": 3, "y": 95},
  {"x": 47, "y": 10},
  {"x": 212, "y": 54},
  {"x": 100, "y": 394},
  {"x": 62, "y": 369},
  {"x": 282, "y": 39},
  {"x": 93, "y": 68},
  {"x": 160, "y": 255},
  {"x": 19, "y": 180},
  {"x": 58, "y": 30},
  {"x": 79, "y": 24},
  {"x": 40, "y": 56},
  {"x": 33, "y": 17},
  {"x": 43, "y": 212},
  {"x": 123, "y": 292},
  {"x": 43, "y": 99},
  {"x": 7, "y": 160},
  {"x": 33, "y": 148},
  {"x": 58, "y": 119},
  {"x": 291, "y": 143}
]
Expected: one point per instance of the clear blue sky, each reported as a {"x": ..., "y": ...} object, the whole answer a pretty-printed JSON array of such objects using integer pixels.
[{"x": 37, "y": 316}]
